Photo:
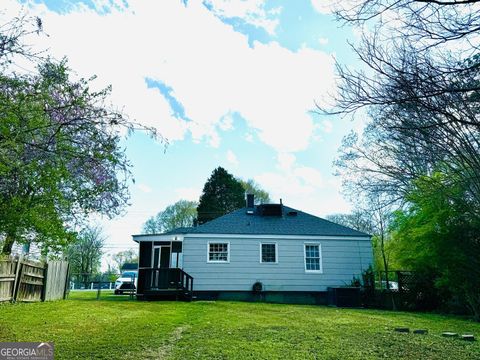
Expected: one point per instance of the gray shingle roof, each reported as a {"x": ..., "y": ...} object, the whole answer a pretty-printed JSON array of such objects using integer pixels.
[
  {"x": 180, "y": 230},
  {"x": 239, "y": 222}
]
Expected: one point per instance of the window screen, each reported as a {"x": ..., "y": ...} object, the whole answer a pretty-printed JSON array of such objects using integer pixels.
[
  {"x": 269, "y": 253},
  {"x": 218, "y": 252},
  {"x": 312, "y": 257}
]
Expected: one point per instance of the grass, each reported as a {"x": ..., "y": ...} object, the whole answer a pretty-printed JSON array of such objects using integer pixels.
[{"x": 115, "y": 327}]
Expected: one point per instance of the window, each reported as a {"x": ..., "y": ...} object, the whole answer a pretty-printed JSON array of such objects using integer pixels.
[
  {"x": 218, "y": 252},
  {"x": 268, "y": 252},
  {"x": 313, "y": 258}
]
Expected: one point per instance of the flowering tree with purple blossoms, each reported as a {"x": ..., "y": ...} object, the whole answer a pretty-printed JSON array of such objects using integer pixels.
[{"x": 60, "y": 152}]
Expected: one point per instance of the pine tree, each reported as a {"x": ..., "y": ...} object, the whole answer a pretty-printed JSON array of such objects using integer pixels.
[{"x": 222, "y": 194}]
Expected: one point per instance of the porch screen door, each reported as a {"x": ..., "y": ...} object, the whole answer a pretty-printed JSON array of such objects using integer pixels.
[
  {"x": 161, "y": 262},
  {"x": 165, "y": 257}
]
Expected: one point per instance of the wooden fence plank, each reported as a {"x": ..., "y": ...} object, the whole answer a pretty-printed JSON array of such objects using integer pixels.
[
  {"x": 7, "y": 275},
  {"x": 30, "y": 281},
  {"x": 30, "y": 287},
  {"x": 57, "y": 272},
  {"x": 7, "y": 278},
  {"x": 34, "y": 275}
]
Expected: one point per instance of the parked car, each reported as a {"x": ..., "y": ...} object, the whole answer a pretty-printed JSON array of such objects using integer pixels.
[
  {"x": 126, "y": 283},
  {"x": 393, "y": 285}
]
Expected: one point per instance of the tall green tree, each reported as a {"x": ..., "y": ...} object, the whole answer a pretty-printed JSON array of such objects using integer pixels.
[
  {"x": 181, "y": 214},
  {"x": 439, "y": 232},
  {"x": 60, "y": 152},
  {"x": 222, "y": 193},
  {"x": 123, "y": 257},
  {"x": 85, "y": 254},
  {"x": 251, "y": 187}
]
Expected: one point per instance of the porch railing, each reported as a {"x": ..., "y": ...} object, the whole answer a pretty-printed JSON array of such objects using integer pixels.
[{"x": 167, "y": 279}]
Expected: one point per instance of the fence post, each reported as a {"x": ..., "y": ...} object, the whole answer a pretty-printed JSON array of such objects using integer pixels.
[
  {"x": 17, "y": 278},
  {"x": 132, "y": 291},
  {"x": 66, "y": 290},
  {"x": 44, "y": 287},
  {"x": 399, "y": 281}
]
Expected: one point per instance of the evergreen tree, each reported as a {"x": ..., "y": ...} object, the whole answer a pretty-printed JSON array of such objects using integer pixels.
[{"x": 222, "y": 193}]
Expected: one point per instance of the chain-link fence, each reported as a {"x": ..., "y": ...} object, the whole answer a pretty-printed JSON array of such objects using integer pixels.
[{"x": 103, "y": 284}]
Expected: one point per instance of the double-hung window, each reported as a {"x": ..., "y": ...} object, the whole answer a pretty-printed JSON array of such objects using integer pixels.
[
  {"x": 268, "y": 253},
  {"x": 218, "y": 252},
  {"x": 313, "y": 258}
]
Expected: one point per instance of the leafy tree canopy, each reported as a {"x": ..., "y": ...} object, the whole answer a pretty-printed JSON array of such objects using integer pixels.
[
  {"x": 123, "y": 257},
  {"x": 181, "y": 214},
  {"x": 60, "y": 153},
  {"x": 85, "y": 253},
  {"x": 251, "y": 187},
  {"x": 184, "y": 213},
  {"x": 222, "y": 194},
  {"x": 438, "y": 232}
]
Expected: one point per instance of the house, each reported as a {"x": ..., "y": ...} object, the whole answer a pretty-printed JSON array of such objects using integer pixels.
[
  {"x": 270, "y": 252},
  {"x": 129, "y": 266}
]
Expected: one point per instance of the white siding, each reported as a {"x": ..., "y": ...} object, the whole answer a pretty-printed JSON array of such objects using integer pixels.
[{"x": 341, "y": 260}]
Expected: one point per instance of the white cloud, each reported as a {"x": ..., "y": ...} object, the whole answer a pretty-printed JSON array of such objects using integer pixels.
[
  {"x": 323, "y": 41},
  {"x": 325, "y": 6},
  {"x": 300, "y": 189},
  {"x": 210, "y": 67},
  {"x": 290, "y": 178},
  {"x": 327, "y": 126},
  {"x": 226, "y": 122},
  {"x": 188, "y": 193},
  {"x": 309, "y": 176},
  {"x": 213, "y": 72},
  {"x": 232, "y": 158},
  {"x": 285, "y": 161},
  {"x": 144, "y": 188},
  {"x": 303, "y": 187},
  {"x": 251, "y": 11}
]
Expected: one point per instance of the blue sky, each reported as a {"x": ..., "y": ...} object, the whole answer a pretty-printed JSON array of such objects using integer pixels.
[{"x": 229, "y": 82}]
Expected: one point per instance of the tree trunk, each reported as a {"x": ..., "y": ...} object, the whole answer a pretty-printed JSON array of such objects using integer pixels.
[
  {"x": 473, "y": 300},
  {"x": 8, "y": 244},
  {"x": 385, "y": 266}
]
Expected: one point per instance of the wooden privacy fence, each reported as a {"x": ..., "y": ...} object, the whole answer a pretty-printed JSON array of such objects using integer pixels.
[{"x": 30, "y": 281}]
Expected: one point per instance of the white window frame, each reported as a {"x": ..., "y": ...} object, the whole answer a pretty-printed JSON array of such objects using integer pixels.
[
  {"x": 276, "y": 251},
  {"x": 218, "y": 261},
  {"x": 305, "y": 257}
]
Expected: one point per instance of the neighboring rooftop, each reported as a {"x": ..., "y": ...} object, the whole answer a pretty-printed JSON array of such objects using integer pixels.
[
  {"x": 180, "y": 230},
  {"x": 129, "y": 266}
]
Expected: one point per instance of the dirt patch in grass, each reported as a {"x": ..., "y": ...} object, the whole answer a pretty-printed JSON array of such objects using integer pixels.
[{"x": 163, "y": 351}]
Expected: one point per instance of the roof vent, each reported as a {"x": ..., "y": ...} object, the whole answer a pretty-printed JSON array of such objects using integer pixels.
[
  {"x": 271, "y": 209},
  {"x": 250, "y": 204},
  {"x": 292, "y": 213}
]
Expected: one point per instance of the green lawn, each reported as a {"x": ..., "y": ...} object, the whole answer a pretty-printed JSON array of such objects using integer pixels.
[{"x": 116, "y": 327}]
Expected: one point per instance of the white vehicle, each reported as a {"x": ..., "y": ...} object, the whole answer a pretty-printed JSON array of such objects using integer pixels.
[
  {"x": 127, "y": 283},
  {"x": 393, "y": 285}
]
